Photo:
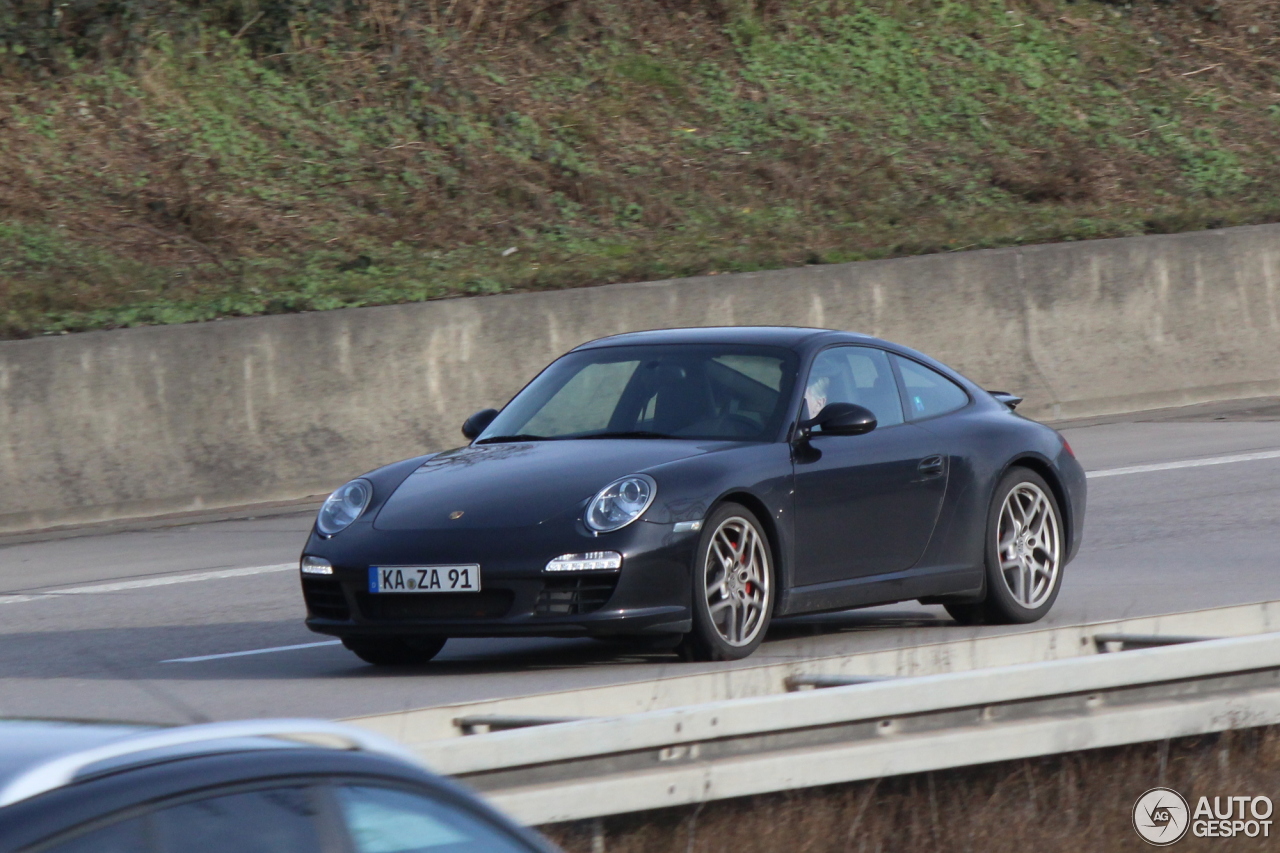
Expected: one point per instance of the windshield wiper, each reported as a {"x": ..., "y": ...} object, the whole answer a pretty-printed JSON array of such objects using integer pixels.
[
  {"x": 635, "y": 433},
  {"x": 502, "y": 439}
]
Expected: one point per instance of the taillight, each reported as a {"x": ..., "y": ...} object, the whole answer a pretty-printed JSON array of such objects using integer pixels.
[{"x": 1066, "y": 445}]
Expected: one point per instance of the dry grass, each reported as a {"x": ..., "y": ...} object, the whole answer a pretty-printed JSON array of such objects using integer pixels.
[{"x": 1064, "y": 804}]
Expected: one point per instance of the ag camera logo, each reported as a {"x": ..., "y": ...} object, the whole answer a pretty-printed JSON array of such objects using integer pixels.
[{"x": 1161, "y": 817}]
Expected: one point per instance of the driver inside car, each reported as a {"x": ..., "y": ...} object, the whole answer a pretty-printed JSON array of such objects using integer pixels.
[{"x": 815, "y": 395}]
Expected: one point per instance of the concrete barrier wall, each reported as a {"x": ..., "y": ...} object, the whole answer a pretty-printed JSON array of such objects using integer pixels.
[{"x": 143, "y": 421}]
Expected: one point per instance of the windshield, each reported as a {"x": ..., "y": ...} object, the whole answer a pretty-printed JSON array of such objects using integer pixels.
[{"x": 699, "y": 391}]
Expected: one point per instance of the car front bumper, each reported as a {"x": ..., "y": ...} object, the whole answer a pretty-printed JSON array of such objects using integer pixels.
[{"x": 649, "y": 595}]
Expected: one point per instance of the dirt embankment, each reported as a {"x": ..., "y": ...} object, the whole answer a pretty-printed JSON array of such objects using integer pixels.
[{"x": 167, "y": 160}]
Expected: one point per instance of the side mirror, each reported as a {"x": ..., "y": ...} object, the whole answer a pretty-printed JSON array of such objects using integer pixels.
[
  {"x": 476, "y": 424},
  {"x": 840, "y": 419}
]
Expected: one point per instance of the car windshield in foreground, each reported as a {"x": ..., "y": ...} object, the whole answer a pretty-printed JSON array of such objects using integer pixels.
[{"x": 687, "y": 391}]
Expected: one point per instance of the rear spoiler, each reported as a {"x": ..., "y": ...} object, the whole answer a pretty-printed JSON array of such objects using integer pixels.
[{"x": 1010, "y": 400}]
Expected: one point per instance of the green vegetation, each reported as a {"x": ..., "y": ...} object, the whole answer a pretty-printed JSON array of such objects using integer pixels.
[{"x": 167, "y": 160}]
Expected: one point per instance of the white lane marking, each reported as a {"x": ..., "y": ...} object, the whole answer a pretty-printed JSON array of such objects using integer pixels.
[
  {"x": 199, "y": 658},
  {"x": 143, "y": 583},
  {"x": 1186, "y": 463}
]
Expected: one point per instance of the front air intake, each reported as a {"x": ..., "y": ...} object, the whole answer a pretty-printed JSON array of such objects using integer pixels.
[
  {"x": 574, "y": 595},
  {"x": 325, "y": 600}
]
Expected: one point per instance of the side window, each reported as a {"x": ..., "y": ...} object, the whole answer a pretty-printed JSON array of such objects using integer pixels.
[
  {"x": 745, "y": 387},
  {"x": 127, "y": 836},
  {"x": 929, "y": 393},
  {"x": 387, "y": 820},
  {"x": 860, "y": 375},
  {"x": 280, "y": 820}
]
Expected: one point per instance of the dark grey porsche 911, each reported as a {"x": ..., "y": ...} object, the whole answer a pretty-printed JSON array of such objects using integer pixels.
[{"x": 689, "y": 485}]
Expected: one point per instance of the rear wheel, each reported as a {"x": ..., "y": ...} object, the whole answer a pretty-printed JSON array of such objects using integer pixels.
[
  {"x": 395, "y": 651},
  {"x": 1024, "y": 555},
  {"x": 732, "y": 587}
]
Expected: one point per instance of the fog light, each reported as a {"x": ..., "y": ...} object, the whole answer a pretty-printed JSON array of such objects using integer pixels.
[
  {"x": 593, "y": 561},
  {"x": 316, "y": 566}
]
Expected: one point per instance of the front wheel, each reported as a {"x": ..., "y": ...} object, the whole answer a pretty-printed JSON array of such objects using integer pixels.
[
  {"x": 1024, "y": 554},
  {"x": 732, "y": 587},
  {"x": 968, "y": 614},
  {"x": 395, "y": 651}
]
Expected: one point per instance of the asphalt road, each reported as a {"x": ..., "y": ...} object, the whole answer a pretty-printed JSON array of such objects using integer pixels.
[{"x": 98, "y": 623}]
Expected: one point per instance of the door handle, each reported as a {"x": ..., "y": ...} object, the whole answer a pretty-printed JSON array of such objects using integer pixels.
[{"x": 932, "y": 466}]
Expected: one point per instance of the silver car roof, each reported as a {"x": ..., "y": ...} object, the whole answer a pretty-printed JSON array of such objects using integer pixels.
[{"x": 37, "y": 756}]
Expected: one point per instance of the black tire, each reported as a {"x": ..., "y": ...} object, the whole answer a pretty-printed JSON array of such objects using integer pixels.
[
  {"x": 1002, "y": 606},
  {"x": 395, "y": 651},
  {"x": 967, "y": 614},
  {"x": 706, "y": 642}
]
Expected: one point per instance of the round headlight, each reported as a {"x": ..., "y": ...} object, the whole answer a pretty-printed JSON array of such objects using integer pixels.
[
  {"x": 620, "y": 503},
  {"x": 344, "y": 506}
]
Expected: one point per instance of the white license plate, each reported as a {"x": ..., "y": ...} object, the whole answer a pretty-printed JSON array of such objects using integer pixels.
[{"x": 461, "y": 578}]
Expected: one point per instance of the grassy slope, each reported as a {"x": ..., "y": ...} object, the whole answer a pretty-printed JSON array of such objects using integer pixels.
[{"x": 393, "y": 150}]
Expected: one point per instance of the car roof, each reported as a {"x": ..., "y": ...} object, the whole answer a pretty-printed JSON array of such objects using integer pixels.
[
  {"x": 59, "y": 775},
  {"x": 37, "y": 756},
  {"x": 26, "y": 744},
  {"x": 791, "y": 337}
]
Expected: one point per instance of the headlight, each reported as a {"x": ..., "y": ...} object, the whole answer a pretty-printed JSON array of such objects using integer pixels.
[
  {"x": 592, "y": 561},
  {"x": 620, "y": 503},
  {"x": 316, "y": 566},
  {"x": 343, "y": 507}
]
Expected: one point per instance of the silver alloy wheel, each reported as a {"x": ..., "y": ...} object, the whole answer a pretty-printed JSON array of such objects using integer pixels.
[
  {"x": 737, "y": 581},
  {"x": 1030, "y": 544}
]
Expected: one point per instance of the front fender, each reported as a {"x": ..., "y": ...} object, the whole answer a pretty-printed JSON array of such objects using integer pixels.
[{"x": 757, "y": 475}]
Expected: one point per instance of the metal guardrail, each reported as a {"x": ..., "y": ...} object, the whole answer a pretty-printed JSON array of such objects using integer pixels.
[
  {"x": 846, "y": 732},
  {"x": 916, "y": 650},
  {"x": 1128, "y": 642},
  {"x": 801, "y": 682},
  {"x": 475, "y": 724}
]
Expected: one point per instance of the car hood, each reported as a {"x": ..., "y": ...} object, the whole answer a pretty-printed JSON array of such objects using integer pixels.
[{"x": 520, "y": 484}]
